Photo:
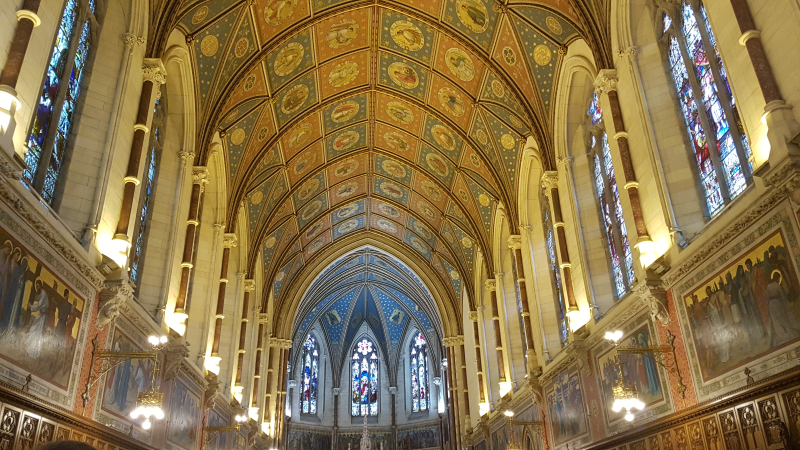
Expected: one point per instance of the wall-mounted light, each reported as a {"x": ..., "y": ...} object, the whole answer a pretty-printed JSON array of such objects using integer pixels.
[
  {"x": 9, "y": 104},
  {"x": 211, "y": 363},
  {"x": 252, "y": 412},
  {"x": 176, "y": 321},
  {"x": 505, "y": 387},
  {"x": 237, "y": 392},
  {"x": 484, "y": 408}
]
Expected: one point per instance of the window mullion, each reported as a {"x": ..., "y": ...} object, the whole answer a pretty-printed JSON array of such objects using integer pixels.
[
  {"x": 722, "y": 93},
  {"x": 708, "y": 129}
]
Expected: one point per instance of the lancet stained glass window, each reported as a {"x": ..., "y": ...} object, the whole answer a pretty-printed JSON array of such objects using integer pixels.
[
  {"x": 719, "y": 143},
  {"x": 420, "y": 395},
  {"x": 54, "y": 117},
  {"x": 364, "y": 378},
  {"x": 149, "y": 186},
  {"x": 555, "y": 276},
  {"x": 613, "y": 221},
  {"x": 308, "y": 394}
]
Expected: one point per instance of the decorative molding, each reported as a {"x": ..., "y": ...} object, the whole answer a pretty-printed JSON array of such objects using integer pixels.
[
  {"x": 199, "y": 175},
  {"x": 174, "y": 355},
  {"x": 393, "y": 390},
  {"x": 153, "y": 70},
  {"x": 563, "y": 364},
  {"x": 212, "y": 392},
  {"x": 191, "y": 372},
  {"x": 749, "y": 34},
  {"x": 606, "y": 81},
  {"x": 130, "y": 39},
  {"x": 550, "y": 179},
  {"x": 337, "y": 391},
  {"x": 631, "y": 53},
  {"x": 229, "y": 240},
  {"x": 30, "y": 15},
  {"x": 185, "y": 155},
  {"x": 515, "y": 242},
  {"x": 115, "y": 294},
  {"x": 626, "y": 309},
  {"x": 249, "y": 285}
]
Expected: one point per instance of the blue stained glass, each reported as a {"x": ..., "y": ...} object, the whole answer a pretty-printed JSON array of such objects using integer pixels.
[
  {"x": 50, "y": 90},
  {"x": 556, "y": 277},
  {"x": 308, "y": 394},
  {"x": 364, "y": 377},
  {"x": 667, "y": 22},
  {"x": 419, "y": 374}
]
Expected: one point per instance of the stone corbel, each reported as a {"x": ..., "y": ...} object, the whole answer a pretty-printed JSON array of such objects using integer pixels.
[
  {"x": 249, "y": 285},
  {"x": 393, "y": 390},
  {"x": 579, "y": 350},
  {"x": 174, "y": 354},
  {"x": 474, "y": 316},
  {"x": 114, "y": 294},
  {"x": 200, "y": 176},
  {"x": 654, "y": 296},
  {"x": 491, "y": 285},
  {"x": 212, "y": 391},
  {"x": 515, "y": 242}
]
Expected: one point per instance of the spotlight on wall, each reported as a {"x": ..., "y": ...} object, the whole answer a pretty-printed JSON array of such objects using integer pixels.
[
  {"x": 9, "y": 104},
  {"x": 177, "y": 321},
  {"x": 266, "y": 427},
  {"x": 252, "y": 412},
  {"x": 211, "y": 363},
  {"x": 483, "y": 408},
  {"x": 239, "y": 416},
  {"x": 237, "y": 393},
  {"x": 505, "y": 388}
]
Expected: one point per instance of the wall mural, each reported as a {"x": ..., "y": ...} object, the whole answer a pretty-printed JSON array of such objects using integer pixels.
[
  {"x": 40, "y": 322},
  {"x": 352, "y": 441},
  {"x": 184, "y": 413},
  {"x": 565, "y": 403},
  {"x": 222, "y": 441},
  {"x": 501, "y": 438},
  {"x": 308, "y": 440},
  {"x": 744, "y": 305},
  {"x": 418, "y": 439}
]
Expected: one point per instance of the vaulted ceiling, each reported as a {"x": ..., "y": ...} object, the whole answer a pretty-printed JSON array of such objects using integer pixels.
[{"x": 404, "y": 119}]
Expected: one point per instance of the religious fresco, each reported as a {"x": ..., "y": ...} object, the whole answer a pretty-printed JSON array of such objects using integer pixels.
[
  {"x": 296, "y": 97},
  {"x": 345, "y": 73},
  {"x": 184, "y": 411},
  {"x": 422, "y": 438},
  {"x": 447, "y": 98},
  {"x": 345, "y": 112},
  {"x": 393, "y": 169},
  {"x": 476, "y": 19},
  {"x": 743, "y": 306},
  {"x": 343, "y": 33},
  {"x": 348, "y": 189},
  {"x": 566, "y": 407},
  {"x": 308, "y": 440},
  {"x": 221, "y": 441},
  {"x": 403, "y": 74},
  {"x": 306, "y": 162},
  {"x": 40, "y": 323},
  {"x": 442, "y": 137},
  {"x": 407, "y": 36},
  {"x": 236, "y": 139}
]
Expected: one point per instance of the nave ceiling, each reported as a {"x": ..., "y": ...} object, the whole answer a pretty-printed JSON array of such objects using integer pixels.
[{"x": 403, "y": 121}]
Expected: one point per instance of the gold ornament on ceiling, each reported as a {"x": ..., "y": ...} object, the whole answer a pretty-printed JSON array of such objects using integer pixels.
[
  {"x": 241, "y": 47},
  {"x": 262, "y": 133},
  {"x": 348, "y": 226},
  {"x": 480, "y": 135},
  {"x": 346, "y": 168},
  {"x": 473, "y": 158},
  {"x": 393, "y": 168},
  {"x": 288, "y": 59},
  {"x": 407, "y": 35},
  {"x": 270, "y": 242},
  {"x": 209, "y": 45},
  {"x": 277, "y": 11},
  {"x": 312, "y": 210},
  {"x": 237, "y": 137},
  {"x": 431, "y": 190},
  {"x": 344, "y": 111},
  {"x": 399, "y": 113},
  {"x": 300, "y": 135},
  {"x": 426, "y": 210},
  {"x": 484, "y": 200},
  {"x": 249, "y": 82},
  {"x": 403, "y": 75},
  {"x": 553, "y": 24},
  {"x": 257, "y": 198},
  {"x": 454, "y": 275},
  {"x": 294, "y": 99},
  {"x": 395, "y": 141},
  {"x": 307, "y": 189},
  {"x": 200, "y": 15},
  {"x": 443, "y": 136},
  {"x": 460, "y": 64},
  {"x": 508, "y": 141},
  {"x": 437, "y": 165},
  {"x": 509, "y": 55},
  {"x": 498, "y": 89},
  {"x": 466, "y": 242},
  {"x": 473, "y": 15},
  {"x": 341, "y": 33},
  {"x": 346, "y": 189},
  {"x": 346, "y": 140},
  {"x": 391, "y": 189},
  {"x": 542, "y": 55},
  {"x": 343, "y": 74},
  {"x": 388, "y": 210},
  {"x": 451, "y": 101},
  {"x": 386, "y": 225},
  {"x": 308, "y": 159}
]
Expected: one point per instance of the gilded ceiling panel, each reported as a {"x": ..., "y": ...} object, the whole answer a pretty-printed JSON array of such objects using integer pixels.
[
  {"x": 344, "y": 73},
  {"x": 275, "y": 16},
  {"x": 306, "y": 162},
  {"x": 510, "y": 56},
  {"x": 459, "y": 64},
  {"x": 476, "y": 19},
  {"x": 343, "y": 33},
  {"x": 346, "y": 112},
  {"x": 301, "y": 135},
  {"x": 295, "y": 98},
  {"x": 348, "y": 189}
]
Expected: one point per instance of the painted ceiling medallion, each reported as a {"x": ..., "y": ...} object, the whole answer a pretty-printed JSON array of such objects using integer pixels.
[
  {"x": 270, "y": 242},
  {"x": 314, "y": 230},
  {"x": 480, "y": 135},
  {"x": 249, "y": 82},
  {"x": 498, "y": 89},
  {"x": 400, "y": 112},
  {"x": 508, "y": 141},
  {"x": 312, "y": 210},
  {"x": 473, "y": 158},
  {"x": 316, "y": 245},
  {"x": 304, "y": 162},
  {"x": 237, "y": 137},
  {"x": 389, "y": 210},
  {"x": 451, "y": 101},
  {"x": 257, "y": 198},
  {"x": 395, "y": 141},
  {"x": 288, "y": 59},
  {"x": 209, "y": 45},
  {"x": 437, "y": 165},
  {"x": 509, "y": 55},
  {"x": 346, "y": 189},
  {"x": 393, "y": 168},
  {"x": 473, "y": 15},
  {"x": 300, "y": 135},
  {"x": 444, "y": 137},
  {"x": 403, "y": 75},
  {"x": 422, "y": 230},
  {"x": 466, "y": 242},
  {"x": 454, "y": 275},
  {"x": 346, "y": 168},
  {"x": 553, "y": 24},
  {"x": 426, "y": 210},
  {"x": 407, "y": 35},
  {"x": 460, "y": 64},
  {"x": 483, "y": 199},
  {"x": 343, "y": 74},
  {"x": 341, "y": 33},
  {"x": 347, "y": 211},
  {"x": 344, "y": 111},
  {"x": 346, "y": 140},
  {"x": 277, "y": 11},
  {"x": 200, "y": 15},
  {"x": 431, "y": 190},
  {"x": 241, "y": 47},
  {"x": 418, "y": 245},
  {"x": 391, "y": 189},
  {"x": 308, "y": 189},
  {"x": 386, "y": 225},
  {"x": 262, "y": 133},
  {"x": 294, "y": 99},
  {"x": 348, "y": 226},
  {"x": 542, "y": 55}
]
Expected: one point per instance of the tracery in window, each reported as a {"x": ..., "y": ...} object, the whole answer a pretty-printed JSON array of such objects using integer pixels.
[
  {"x": 420, "y": 395},
  {"x": 148, "y": 186},
  {"x": 708, "y": 106},
  {"x": 54, "y": 117},
  {"x": 364, "y": 378},
  {"x": 613, "y": 221},
  {"x": 308, "y": 396},
  {"x": 555, "y": 276}
]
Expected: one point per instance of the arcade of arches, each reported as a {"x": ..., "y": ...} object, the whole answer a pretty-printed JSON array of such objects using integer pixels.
[{"x": 439, "y": 224}]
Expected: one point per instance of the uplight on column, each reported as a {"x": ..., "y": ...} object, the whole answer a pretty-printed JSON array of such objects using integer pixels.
[{"x": 9, "y": 104}]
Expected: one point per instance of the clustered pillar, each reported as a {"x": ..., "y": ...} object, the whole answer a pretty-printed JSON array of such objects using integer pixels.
[
  {"x": 249, "y": 286},
  {"x": 550, "y": 181},
  {"x": 474, "y": 317},
  {"x": 515, "y": 244},
  {"x": 491, "y": 285}
]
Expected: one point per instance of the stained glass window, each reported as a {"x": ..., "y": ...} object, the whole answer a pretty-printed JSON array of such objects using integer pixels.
[
  {"x": 54, "y": 117},
  {"x": 308, "y": 396},
  {"x": 148, "y": 186},
  {"x": 719, "y": 144},
  {"x": 364, "y": 378},
  {"x": 611, "y": 216},
  {"x": 555, "y": 276},
  {"x": 420, "y": 395}
]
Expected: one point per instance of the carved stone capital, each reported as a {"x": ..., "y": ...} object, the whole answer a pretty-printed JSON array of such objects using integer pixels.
[
  {"x": 437, "y": 381},
  {"x": 605, "y": 82},
  {"x": 474, "y": 315},
  {"x": 631, "y": 53},
  {"x": 499, "y": 275},
  {"x": 292, "y": 384},
  {"x": 654, "y": 296},
  {"x": 393, "y": 390},
  {"x": 199, "y": 175},
  {"x": 337, "y": 391},
  {"x": 130, "y": 39},
  {"x": 249, "y": 285},
  {"x": 174, "y": 355},
  {"x": 114, "y": 294},
  {"x": 515, "y": 242},
  {"x": 212, "y": 391},
  {"x": 550, "y": 179},
  {"x": 153, "y": 70},
  {"x": 263, "y": 318},
  {"x": 186, "y": 155},
  {"x": 491, "y": 285},
  {"x": 565, "y": 161},
  {"x": 229, "y": 240}
]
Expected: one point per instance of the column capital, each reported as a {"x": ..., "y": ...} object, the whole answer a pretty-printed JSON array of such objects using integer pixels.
[
  {"x": 631, "y": 52},
  {"x": 515, "y": 242},
  {"x": 393, "y": 390},
  {"x": 491, "y": 285},
  {"x": 337, "y": 391},
  {"x": 130, "y": 39},
  {"x": 550, "y": 179},
  {"x": 605, "y": 81},
  {"x": 474, "y": 315},
  {"x": 185, "y": 155},
  {"x": 249, "y": 285},
  {"x": 30, "y": 15},
  {"x": 229, "y": 240},
  {"x": 153, "y": 70},
  {"x": 437, "y": 381},
  {"x": 199, "y": 175}
]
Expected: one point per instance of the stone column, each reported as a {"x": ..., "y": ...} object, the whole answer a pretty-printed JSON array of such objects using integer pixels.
[
  {"x": 605, "y": 85},
  {"x": 154, "y": 75},
  {"x": 491, "y": 285},
  {"x": 336, "y": 394},
  {"x": 262, "y": 323},
  {"x": 249, "y": 286},
  {"x": 455, "y": 436},
  {"x": 393, "y": 393},
  {"x": 474, "y": 317},
  {"x": 229, "y": 241},
  {"x": 270, "y": 358},
  {"x": 515, "y": 244},
  {"x": 550, "y": 182},
  {"x": 285, "y": 349},
  {"x": 459, "y": 343}
]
